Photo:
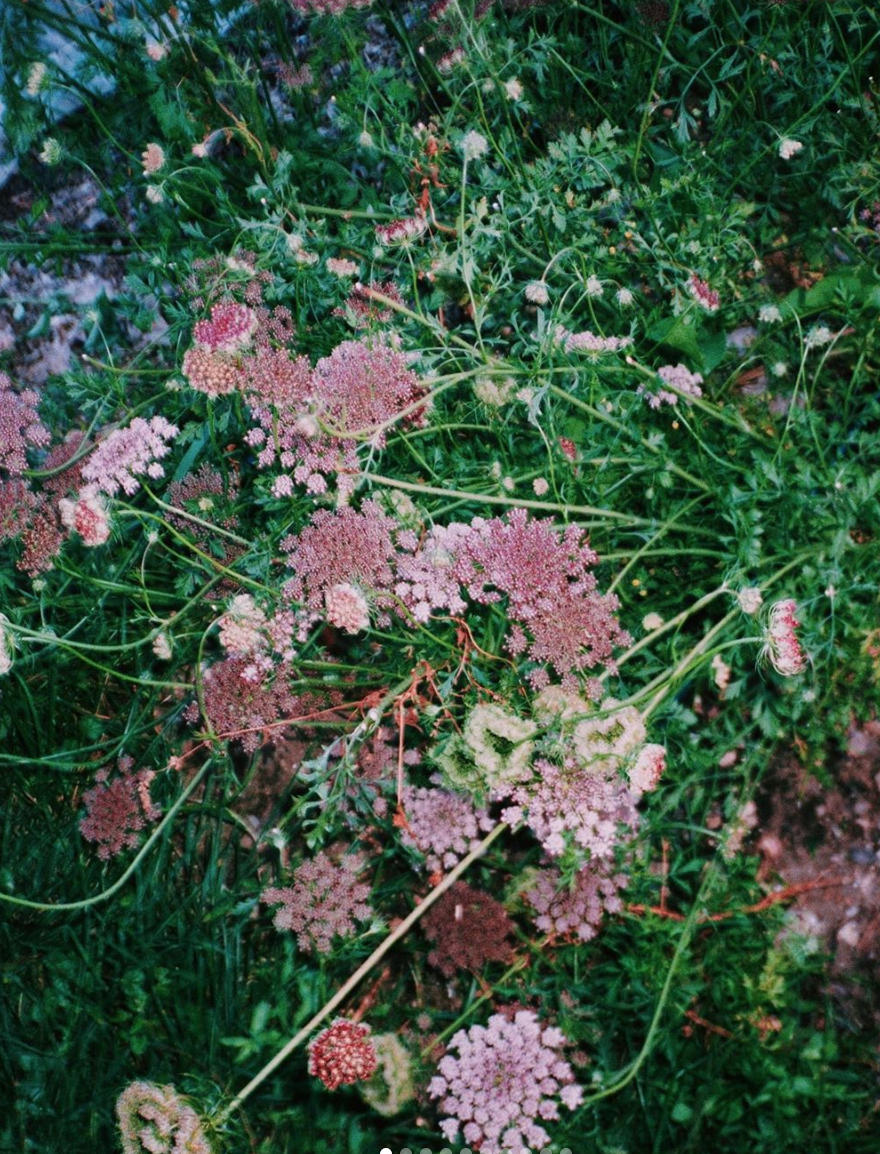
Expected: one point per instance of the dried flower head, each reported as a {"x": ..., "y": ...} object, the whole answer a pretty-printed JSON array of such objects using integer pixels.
[
  {"x": 343, "y": 1054},
  {"x": 504, "y": 1077},
  {"x": 782, "y": 646},
  {"x": 157, "y": 1120},
  {"x": 391, "y": 1087},
  {"x": 324, "y": 901}
]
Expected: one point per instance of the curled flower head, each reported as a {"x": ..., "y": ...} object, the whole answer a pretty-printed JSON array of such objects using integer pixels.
[
  {"x": 782, "y": 647},
  {"x": 157, "y": 1120},
  {"x": 648, "y": 768},
  {"x": 750, "y": 599},
  {"x": 347, "y": 608},
  {"x": 474, "y": 145},
  {"x": 343, "y": 1054},
  {"x": 391, "y": 1087}
]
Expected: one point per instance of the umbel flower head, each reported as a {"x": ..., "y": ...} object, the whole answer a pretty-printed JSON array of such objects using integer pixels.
[
  {"x": 782, "y": 647},
  {"x": 391, "y": 1087},
  {"x": 343, "y": 1054},
  {"x": 157, "y": 1120}
]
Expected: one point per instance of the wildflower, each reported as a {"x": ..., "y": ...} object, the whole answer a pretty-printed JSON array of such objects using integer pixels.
[
  {"x": 36, "y": 78},
  {"x": 391, "y": 1087},
  {"x": 360, "y": 386},
  {"x": 156, "y": 51},
  {"x": 769, "y": 315},
  {"x": 347, "y": 608},
  {"x": 88, "y": 516},
  {"x": 400, "y": 231},
  {"x": 425, "y": 577},
  {"x": 705, "y": 297},
  {"x": 155, "y": 193},
  {"x": 365, "y": 140},
  {"x": 128, "y": 453},
  {"x": 505, "y": 1076},
  {"x": 541, "y": 486},
  {"x": 242, "y": 627},
  {"x": 474, "y": 145},
  {"x": 162, "y": 647},
  {"x": 7, "y": 644},
  {"x": 51, "y": 152},
  {"x": 229, "y": 329},
  {"x": 242, "y": 702},
  {"x": 594, "y": 286},
  {"x": 442, "y": 825},
  {"x": 720, "y": 672},
  {"x": 324, "y": 901},
  {"x": 494, "y": 393},
  {"x": 341, "y": 267},
  {"x": 779, "y": 369},
  {"x": 20, "y": 426},
  {"x": 818, "y": 336},
  {"x": 513, "y": 89},
  {"x": 468, "y": 928},
  {"x": 750, "y": 599},
  {"x": 342, "y": 1054},
  {"x": 300, "y": 77},
  {"x": 157, "y": 1120},
  {"x": 625, "y": 297},
  {"x": 789, "y": 148},
  {"x": 680, "y": 378},
  {"x": 651, "y": 621},
  {"x": 577, "y": 908},
  {"x": 153, "y": 158},
  {"x": 782, "y": 645},
  {"x": 214, "y": 374},
  {"x": 536, "y": 292},
  {"x": 649, "y": 767},
  {"x": 118, "y": 810},
  {"x": 450, "y": 60},
  {"x": 588, "y": 342}
]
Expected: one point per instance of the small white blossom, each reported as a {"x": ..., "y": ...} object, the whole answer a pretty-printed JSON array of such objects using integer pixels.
[
  {"x": 594, "y": 286},
  {"x": 625, "y": 297},
  {"x": 750, "y": 599},
  {"x": 789, "y": 148},
  {"x": 779, "y": 369},
  {"x": 514, "y": 89},
  {"x": 769, "y": 315},
  {"x": 818, "y": 336},
  {"x": 536, "y": 292},
  {"x": 474, "y": 145}
]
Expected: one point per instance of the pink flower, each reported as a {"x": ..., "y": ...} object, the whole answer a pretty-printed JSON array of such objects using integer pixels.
[
  {"x": 347, "y": 608},
  {"x": 118, "y": 810},
  {"x": 128, "y": 453},
  {"x": 230, "y": 328},
  {"x": 88, "y": 516},
  {"x": 680, "y": 378},
  {"x": 705, "y": 297},
  {"x": 400, "y": 231},
  {"x": 442, "y": 825},
  {"x": 153, "y": 158},
  {"x": 20, "y": 426},
  {"x": 648, "y": 768},
  {"x": 324, "y": 901},
  {"x": 576, "y": 909},
  {"x": 342, "y": 1054},
  {"x": 782, "y": 645}
]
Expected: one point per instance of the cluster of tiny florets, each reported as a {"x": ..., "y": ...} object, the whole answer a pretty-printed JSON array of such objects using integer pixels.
[
  {"x": 88, "y": 516},
  {"x": 243, "y": 702},
  {"x": 703, "y": 294},
  {"x": 343, "y": 1054},
  {"x": 359, "y": 387},
  {"x": 468, "y": 928},
  {"x": 230, "y": 328},
  {"x": 782, "y": 646},
  {"x": 576, "y": 910},
  {"x": 678, "y": 377},
  {"x": 588, "y": 342},
  {"x": 128, "y": 454},
  {"x": 118, "y": 810},
  {"x": 157, "y": 1120},
  {"x": 324, "y": 901},
  {"x": 442, "y": 825},
  {"x": 400, "y": 231},
  {"x": 504, "y": 1078},
  {"x": 20, "y": 426}
]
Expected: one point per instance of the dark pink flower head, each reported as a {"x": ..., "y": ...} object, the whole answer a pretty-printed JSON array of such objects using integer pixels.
[
  {"x": 782, "y": 647},
  {"x": 343, "y": 1054},
  {"x": 20, "y": 426},
  {"x": 505, "y": 1080},
  {"x": 324, "y": 901},
  {"x": 212, "y": 373},
  {"x": 343, "y": 547},
  {"x": 400, "y": 231},
  {"x": 118, "y": 810},
  {"x": 230, "y": 329},
  {"x": 560, "y": 618},
  {"x": 360, "y": 386},
  {"x": 705, "y": 296}
]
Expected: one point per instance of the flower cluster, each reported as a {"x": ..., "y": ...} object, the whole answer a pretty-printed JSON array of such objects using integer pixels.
[
  {"x": 87, "y": 516},
  {"x": 782, "y": 645},
  {"x": 576, "y": 910},
  {"x": 360, "y": 387},
  {"x": 20, "y": 426},
  {"x": 129, "y": 453},
  {"x": 157, "y": 1120},
  {"x": 468, "y": 929},
  {"x": 400, "y": 231},
  {"x": 587, "y": 342},
  {"x": 504, "y": 1078},
  {"x": 705, "y": 296},
  {"x": 243, "y": 702},
  {"x": 442, "y": 825},
  {"x": 493, "y": 753},
  {"x": 324, "y": 901},
  {"x": 118, "y": 810},
  {"x": 680, "y": 379},
  {"x": 343, "y": 1054},
  {"x": 230, "y": 328}
]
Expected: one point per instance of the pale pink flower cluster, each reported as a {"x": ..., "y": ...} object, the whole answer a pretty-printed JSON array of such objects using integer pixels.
[
  {"x": 343, "y": 1054},
  {"x": 153, "y": 158},
  {"x": 536, "y": 292},
  {"x": 342, "y": 267},
  {"x": 20, "y": 426},
  {"x": 118, "y": 810},
  {"x": 324, "y": 901},
  {"x": 347, "y": 608},
  {"x": 129, "y": 453},
  {"x": 242, "y": 627},
  {"x": 678, "y": 377},
  {"x": 157, "y": 1120},
  {"x": 442, "y": 825},
  {"x": 782, "y": 647},
  {"x": 576, "y": 909},
  {"x": 426, "y": 573},
  {"x": 649, "y": 767},
  {"x": 587, "y": 342},
  {"x": 87, "y": 515},
  {"x": 750, "y": 600},
  {"x": 506, "y": 1079}
]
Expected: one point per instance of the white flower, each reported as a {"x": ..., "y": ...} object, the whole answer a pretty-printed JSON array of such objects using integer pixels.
[
  {"x": 36, "y": 77},
  {"x": 769, "y": 315},
  {"x": 818, "y": 336},
  {"x": 779, "y": 369},
  {"x": 155, "y": 194},
  {"x": 365, "y": 140},
  {"x": 536, "y": 292},
  {"x": 51, "y": 152},
  {"x": 594, "y": 286},
  {"x": 541, "y": 486},
  {"x": 789, "y": 148},
  {"x": 162, "y": 647},
  {"x": 651, "y": 621},
  {"x": 474, "y": 145},
  {"x": 514, "y": 89},
  {"x": 156, "y": 51},
  {"x": 625, "y": 297},
  {"x": 750, "y": 599}
]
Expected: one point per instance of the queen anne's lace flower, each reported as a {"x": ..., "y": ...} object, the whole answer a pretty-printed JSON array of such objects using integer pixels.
[
  {"x": 648, "y": 768},
  {"x": 391, "y": 1087},
  {"x": 347, "y": 608},
  {"x": 20, "y": 426},
  {"x": 782, "y": 646},
  {"x": 504, "y": 1078},
  {"x": 118, "y": 810},
  {"x": 157, "y": 1120},
  {"x": 87, "y": 516},
  {"x": 324, "y": 901},
  {"x": 231, "y": 327},
  {"x": 442, "y": 825},
  {"x": 343, "y": 1054},
  {"x": 128, "y": 454},
  {"x": 576, "y": 909}
]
